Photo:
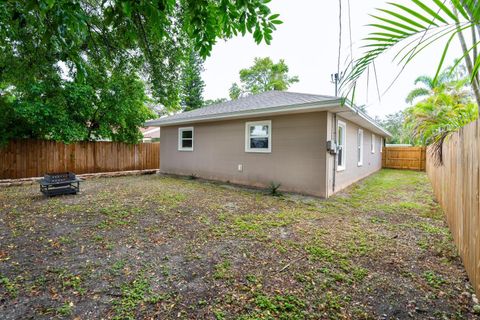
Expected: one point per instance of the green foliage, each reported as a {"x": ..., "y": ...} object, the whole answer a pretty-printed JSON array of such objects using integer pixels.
[
  {"x": 393, "y": 123},
  {"x": 219, "y": 315},
  {"x": 134, "y": 294},
  {"x": 101, "y": 104},
  {"x": 222, "y": 270},
  {"x": 235, "y": 91},
  {"x": 273, "y": 189},
  {"x": 71, "y": 281},
  {"x": 417, "y": 93},
  {"x": 279, "y": 307},
  {"x": 117, "y": 267},
  {"x": 65, "y": 309},
  {"x": 446, "y": 110},
  {"x": 433, "y": 279},
  {"x": 449, "y": 76},
  {"x": 320, "y": 252},
  {"x": 191, "y": 95},
  {"x": 263, "y": 76},
  {"x": 10, "y": 286},
  {"x": 447, "y": 106},
  {"x": 209, "y": 102},
  {"x": 60, "y": 60}
]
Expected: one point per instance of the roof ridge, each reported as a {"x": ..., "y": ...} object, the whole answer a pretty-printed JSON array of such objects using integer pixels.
[
  {"x": 313, "y": 94},
  {"x": 238, "y": 99}
]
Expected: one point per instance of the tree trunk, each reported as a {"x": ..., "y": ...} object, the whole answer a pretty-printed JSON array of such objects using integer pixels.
[
  {"x": 469, "y": 64},
  {"x": 468, "y": 60}
]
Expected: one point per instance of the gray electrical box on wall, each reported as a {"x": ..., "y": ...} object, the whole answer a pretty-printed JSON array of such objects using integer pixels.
[{"x": 331, "y": 147}]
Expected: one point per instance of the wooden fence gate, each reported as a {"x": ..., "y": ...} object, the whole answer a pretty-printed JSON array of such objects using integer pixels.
[
  {"x": 407, "y": 158},
  {"x": 33, "y": 158}
]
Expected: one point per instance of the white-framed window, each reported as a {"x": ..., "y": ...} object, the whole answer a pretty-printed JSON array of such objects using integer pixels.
[
  {"x": 342, "y": 145},
  {"x": 381, "y": 144},
  {"x": 360, "y": 147},
  {"x": 258, "y": 136},
  {"x": 185, "y": 139},
  {"x": 372, "y": 143}
]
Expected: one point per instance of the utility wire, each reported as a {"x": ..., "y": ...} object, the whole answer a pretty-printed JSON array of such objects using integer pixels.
[
  {"x": 368, "y": 82},
  {"x": 350, "y": 32},
  {"x": 376, "y": 81},
  {"x": 339, "y": 35}
]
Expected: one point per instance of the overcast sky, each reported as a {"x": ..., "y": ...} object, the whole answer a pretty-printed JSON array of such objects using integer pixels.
[{"x": 308, "y": 41}]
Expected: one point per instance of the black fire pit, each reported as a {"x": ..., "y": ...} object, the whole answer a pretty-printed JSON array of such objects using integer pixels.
[{"x": 59, "y": 183}]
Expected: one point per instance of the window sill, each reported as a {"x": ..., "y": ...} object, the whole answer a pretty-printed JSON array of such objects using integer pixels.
[
  {"x": 258, "y": 151},
  {"x": 340, "y": 169},
  {"x": 185, "y": 150},
  {"x": 359, "y": 164}
]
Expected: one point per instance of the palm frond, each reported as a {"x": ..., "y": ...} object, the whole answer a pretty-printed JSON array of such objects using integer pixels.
[
  {"x": 426, "y": 81},
  {"x": 417, "y": 93},
  {"x": 423, "y": 21}
]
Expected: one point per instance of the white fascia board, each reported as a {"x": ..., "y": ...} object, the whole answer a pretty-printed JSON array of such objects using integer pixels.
[{"x": 373, "y": 126}]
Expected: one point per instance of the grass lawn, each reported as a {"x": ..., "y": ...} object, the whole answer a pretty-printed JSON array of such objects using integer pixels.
[{"x": 167, "y": 248}]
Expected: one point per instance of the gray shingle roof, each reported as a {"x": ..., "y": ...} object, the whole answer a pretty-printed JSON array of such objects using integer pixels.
[
  {"x": 272, "y": 102},
  {"x": 266, "y": 100}
]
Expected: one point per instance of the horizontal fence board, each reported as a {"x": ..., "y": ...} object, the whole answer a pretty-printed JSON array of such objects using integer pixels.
[
  {"x": 33, "y": 158},
  {"x": 456, "y": 187},
  {"x": 411, "y": 158}
]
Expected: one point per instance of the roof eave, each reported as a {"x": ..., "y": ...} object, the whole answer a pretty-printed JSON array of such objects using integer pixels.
[
  {"x": 288, "y": 109},
  {"x": 366, "y": 117}
]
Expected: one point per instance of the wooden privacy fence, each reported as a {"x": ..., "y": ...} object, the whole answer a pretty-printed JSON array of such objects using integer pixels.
[
  {"x": 456, "y": 187},
  {"x": 33, "y": 158},
  {"x": 411, "y": 158}
]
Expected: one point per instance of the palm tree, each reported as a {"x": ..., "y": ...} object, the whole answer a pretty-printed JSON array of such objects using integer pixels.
[
  {"x": 430, "y": 85},
  {"x": 431, "y": 120},
  {"x": 443, "y": 112},
  {"x": 428, "y": 88}
]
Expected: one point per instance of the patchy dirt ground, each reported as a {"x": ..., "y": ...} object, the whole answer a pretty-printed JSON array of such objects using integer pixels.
[{"x": 167, "y": 248}]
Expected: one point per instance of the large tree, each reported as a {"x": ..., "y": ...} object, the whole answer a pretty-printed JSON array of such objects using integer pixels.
[
  {"x": 192, "y": 84},
  {"x": 264, "y": 75},
  {"x": 98, "y": 105},
  {"x": 51, "y": 48}
]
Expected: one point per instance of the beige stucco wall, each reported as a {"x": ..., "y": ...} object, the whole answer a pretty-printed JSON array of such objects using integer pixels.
[
  {"x": 372, "y": 162},
  {"x": 297, "y": 161}
]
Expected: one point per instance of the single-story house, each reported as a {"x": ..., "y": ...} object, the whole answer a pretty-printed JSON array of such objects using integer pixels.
[{"x": 310, "y": 144}]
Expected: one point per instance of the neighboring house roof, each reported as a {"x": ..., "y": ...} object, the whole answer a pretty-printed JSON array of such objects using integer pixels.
[
  {"x": 150, "y": 132},
  {"x": 270, "y": 103}
]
